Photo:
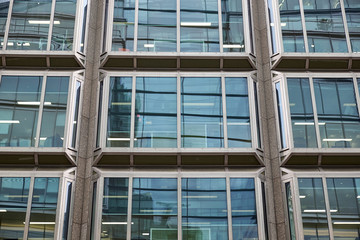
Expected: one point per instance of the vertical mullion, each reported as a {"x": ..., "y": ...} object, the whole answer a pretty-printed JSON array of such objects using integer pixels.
[
  {"x": 327, "y": 205},
  {"x": 7, "y": 26},
  {"x": 246, "y": 25},
  {"x": 98, "y": 208},
  {"x": 28, "y": 210},
  {"x": 129, "y": 211},
  {"x": 136, "y": 24},
  {"x": 178, "y": 115},
  {"x": 68, "y": 113},
  {"x": 51, "y": 24},
  {"x": 178, "y": 26},
  {"x": 259, "y": 207},
  {"x": 316, "y": 121},
  {"x": 220, "y": 27},
  {"x": 132, "y": 114},
  {"x": 229, "y": 215},
  {"x": 41, "y": 108},
  {"x": 104, "y": 111},
  {"x": 110, "y": 22},
  {"x": 288, "y": 117},
  {"x": 60, "y": 208},
  {"x": 303, "y": 23},
  {"x": 346, "y": 29},
  {"x": 357, "y": 96},
  {"x": 179, "y": 218},
  {"x": 252, "y": 112},
  {"x": 297, "y": 210},
  {"x": 226, "y": 145}
]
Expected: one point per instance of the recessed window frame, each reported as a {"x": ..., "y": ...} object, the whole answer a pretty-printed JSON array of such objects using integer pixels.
[
  {"x": 256, "y": 174},
  {"x": 68, "y": 127},
  {"x": 105, "y": 101}
]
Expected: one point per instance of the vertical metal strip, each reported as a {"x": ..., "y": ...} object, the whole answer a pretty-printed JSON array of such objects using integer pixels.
[
  {"x": 316, "y": 121},
  {"x": 252, "y": 111},
  {"x": 98, "y": 208},
  {"x": 223, "y": 93},
  {"x": 109, "y": 24},
  {"x": 7, "y": 26},
  {"x": 178, "y": 115},
  {"x": 221, "y": 40},
  {"x": 105, "y": 111},
  {"x": 288, "y": 117},
  {"x": 229, "y": 212},
  {"x": 60, "y": 208},
  {"x": 136, "y": 24},
  {"x": 68, "y": 114},
  {"x": 357, "y": 96},
  {"x": 246, "y": 26},
  {"x": 297, "y": 210},
  {"x": 302, "y": 14},
  {"x": 129, "y": 210},
  {"x": 179, "y": 206},
  {"x": 132, "y": 114},
  {"x": 28, "y": 210},
  {"x": 51, "y": 25},
  {"x": 327, "y": 204},
  {"x": 41, "y": 108},
  {"x": 178, "y": 26},
  {"x": 259, "y": 208},
  {"x": 346, "y": 28}
]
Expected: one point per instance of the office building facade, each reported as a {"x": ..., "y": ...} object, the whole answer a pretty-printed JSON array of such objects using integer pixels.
[{"x": 178, "y": 119}]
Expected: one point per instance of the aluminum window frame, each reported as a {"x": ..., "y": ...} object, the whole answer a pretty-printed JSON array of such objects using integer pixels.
[
  {"x": 73, "y": 78},
  {"x": 225, "y": 173},
  {"x": 287, "y": 116},
  {"x": 105, "y": 102},
  {"x": 108, "y": 34},
  {"x": 293, "y": 175},
  {"x": 64, "y": 177}
]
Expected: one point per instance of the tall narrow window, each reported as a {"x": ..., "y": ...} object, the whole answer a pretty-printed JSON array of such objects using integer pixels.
[
  {"x": 123, "y": 25},
  {"x": 118, "y": 133},
  {"x": 201, "y": 112},
  {"x": 3, "y": 19},
  {"x": 352, "y": 9},
  {"x": 155, "y": 112},
  {"x": 84, "y": 10},
  {"x": 76, "y": 114},
  {"x": 290, "y": 206},
  {"x": 66, "y": 220},
  {"x": 280, "y": 112}
]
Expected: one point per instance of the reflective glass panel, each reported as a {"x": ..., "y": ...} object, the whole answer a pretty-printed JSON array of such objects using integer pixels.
[
  {"x": 290, "y": 206},
  {"x": 29, "y": 25},
  {"x": 237, "y": 111},
  {"x": 155, "y": 112},
  {"x": 76, "y": 113},
  {"x": 115, "y": 205},
  {"x": 204, "y": 208},
  {"x": 13, "y": 204},
  {"x": 157, "y": 26},
  {"x": 344, "y": 198},
  {"x": 324, "y": 25},
  {"x": 19, "y": 108},
  {"x": 123, "y": 25},
  {"x": 4, "y": 9},
  {"x": 154, "y": 209},
  {"x": 291, "y": 27},
  {"x": 313, "y": 210},
  {"x": 257, "y": 115},
  {"x": 199, "y": 24},
  {"x": 243, "y": 209},
  {"x": 272, "y": 26},
  {"x": 352, "y": 9},
  {"x": 43, "y": 208},
  {"x": 338, "y": 116},
  {"x": 83, "y": 25},
  {"x": 302, "y": 116},
  {"x": 201, "y": 112},
  {"x": 63, "y": 28},
  {"x": 233, "y": 26},
  {"x": 99, "y": 114},
  {"x": 118, "y": 133},
  {"x": 280, "y": 112},
  {"x": 54, "y": 112},
  {"x": 65, "y": 232}
]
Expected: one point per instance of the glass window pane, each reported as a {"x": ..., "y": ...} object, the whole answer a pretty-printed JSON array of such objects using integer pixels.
[
  {"x": 290, "y": 206},
  {"x": 201, "y": 112},
  {"x": 29, "y": 25},
  {"x": 272, "y": 26},
  {"x": 54, "y": 113},
  {"x": 313, "y": 209},
  {"x": 352, "y": 9},
  {"x": 324, "y": 25},
  {"x": 118, "y": 133},
  {"x": 99, "y": 113},
  {"x": 204, "y": 208},
  {"x": 43, "y": 208},
  {"x": 155, "y": 112},
  {"x": 280, "y": 112},
  {"x": 63, "y": 28},
  {"x": 115, "y": 205},
  {"x": 344, "y": 194},
  {"x": 3, "y": 19},
  {"x": 237, "y": 111},
  {"x": 76, "y": 113},
  {"x": 19, "y": 108},
  {"x": 233, "y": 26},
  {"x": 83, "y": 25},
  {"x": 123, "y": 25},
  {"x": 338, "y": 116},
  {"x": 154, "y": 209},
  {"x": 157, "y": 26},
  {"x": 199, "y": 24},
  {"x": 65, "y": 230},
  {"x": 291, "y": 27},
  {"x": 13, "y": 204},
  {"x": 302, "y": 116},
  {"x": 243, "y": 208}
]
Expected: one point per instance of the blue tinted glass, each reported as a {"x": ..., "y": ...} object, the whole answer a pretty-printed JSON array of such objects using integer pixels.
[
  {"x": 114, "y": 209},
  {"x": 352, "y": 9},
  {"x": 237, "y": 111},
  {"x": 43, "y": 208},
  {"x": 123, "y": 25},
  {"x": 201, "y": 112},
  {"x": 13, "y": 204},
  {"x": 3, "y": 19},
  {"x": 204, "y": 209},
  {"x": 155, "y": 112},
  {"x": 154, "y": 211},
  {"x": 76, "y": 113},
  {"x": 280, "y": 114},
  {"x": 243, "y": 208},
  {"x": 119, "y": 109}
]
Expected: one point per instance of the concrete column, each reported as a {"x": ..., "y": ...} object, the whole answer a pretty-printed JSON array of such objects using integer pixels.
[
  {"x": 271, "y": 144},
  {"x": 81, "y": 220}
]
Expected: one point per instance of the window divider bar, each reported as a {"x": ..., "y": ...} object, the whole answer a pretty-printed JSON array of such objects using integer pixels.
[
  {"x": 60, "y": 208},
  {"x": 132, "y": 114},
  {"x": 129, "y": 210},
  {"x": 51, "y": 25},
  {"x": 252, "y": 112},
  {"x": 136, "y": 25},
  {"x": 259, "y": 208},
  {"x": 229, "y": 216},
  {"x": 346, "y": 29},
  {"x": 303, "y": 23},
  {"x": 7, "y": 27},
  {"x": 104, "y": 112},
  {"x": 288, "y": 117},
  {"x": 178, "y": 26},
  {"x": 226, "y": 144},
  {"x": 316, "y": 121},
  {"x": 357, "y": 95},
  {"x": 327, "y": 205},
  {"x": 221, "y": 42},
  {"x": 297, "y": 209},
  {"x": 69, "y": 111},
  {"x": 247, "y": 20},
  {"x": 28, "y": 209},
  {"x": 179, "y": 217},
  {"x": 109, "y": 17},
  {"x": 99, "y": 198},
  {"x": 178, "y": 114},
  {"x": 41, "y": 108}
]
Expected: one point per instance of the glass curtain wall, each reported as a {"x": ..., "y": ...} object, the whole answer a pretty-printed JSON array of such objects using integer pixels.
[{"x": 123, "y": 25}]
